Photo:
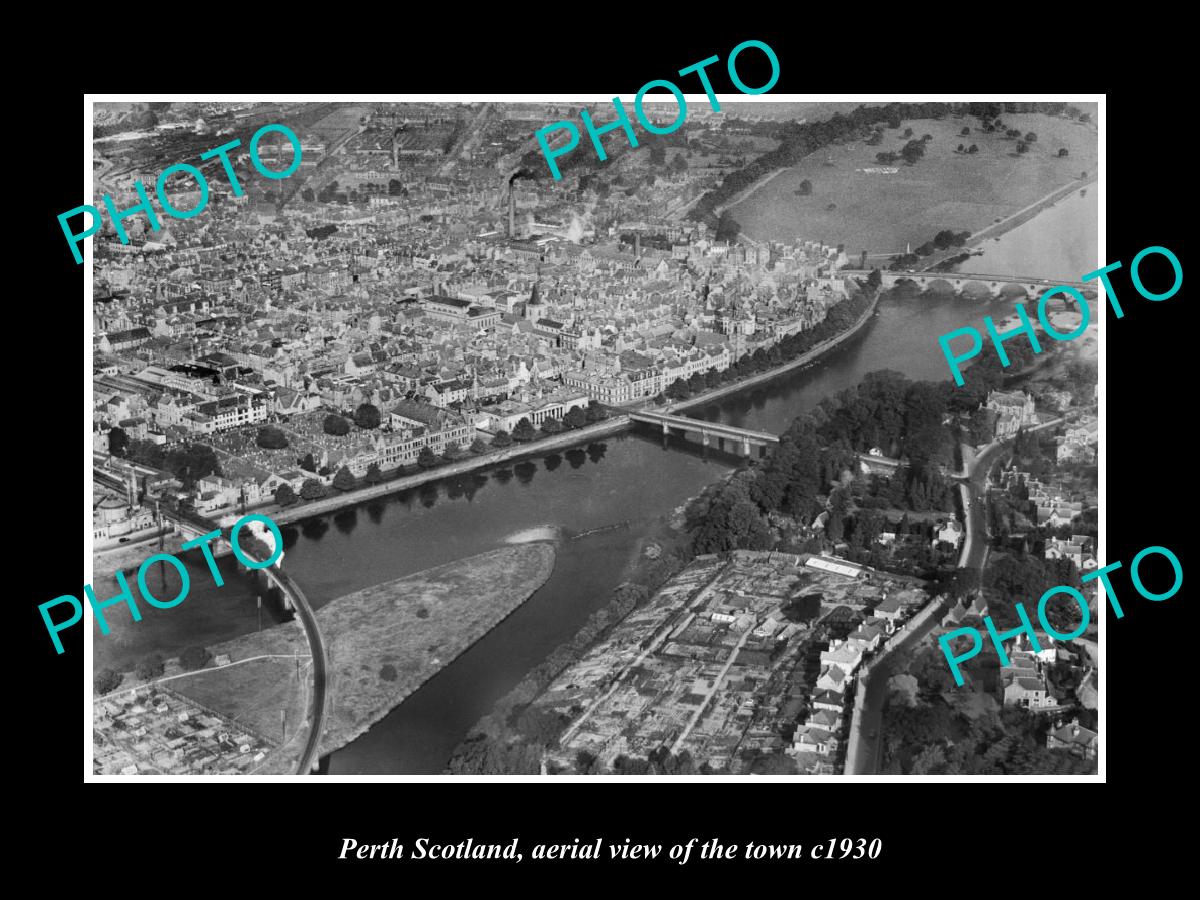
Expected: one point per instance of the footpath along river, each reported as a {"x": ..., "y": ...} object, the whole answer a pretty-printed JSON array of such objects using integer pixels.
[{"x": 627, "y": 481}]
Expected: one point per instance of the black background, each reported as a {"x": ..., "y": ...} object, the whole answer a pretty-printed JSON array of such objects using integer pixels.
[{"x": 955, "y": 836}]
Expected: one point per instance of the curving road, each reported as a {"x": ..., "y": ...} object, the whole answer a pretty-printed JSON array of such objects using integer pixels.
[
  {"x": 974, "y": 497},
  {"x": 973, "y": 481},
  {"x": 864, "y": 745}
]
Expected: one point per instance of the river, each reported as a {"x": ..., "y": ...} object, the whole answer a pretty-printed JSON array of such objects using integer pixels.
[
  {"x": 1059, "y": 242},
  {"x": 902, "y": 336},
  {"x": 628, "y": 481}
]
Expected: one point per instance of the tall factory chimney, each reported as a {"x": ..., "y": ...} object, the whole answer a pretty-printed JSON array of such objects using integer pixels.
[
  {"x": 637, "y": 245},
  {"x": 512, "y": 214},
  {"x": 512, "y": 201}
]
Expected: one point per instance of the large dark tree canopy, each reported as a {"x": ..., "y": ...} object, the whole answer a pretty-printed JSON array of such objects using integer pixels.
[
  {"x": 903, "y": 419},
  {"x": 367, "y": 416},
  {"x": 728, "y": 228},
  {"x": 335, "y": 425},
  {"x": 271, "y": 438}
]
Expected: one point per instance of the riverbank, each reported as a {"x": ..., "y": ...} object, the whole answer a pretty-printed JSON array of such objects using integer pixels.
[
  {"x": 564, "y": 441},
  {"x": 803, "y": 359},
  {"x": 1007, "y": 224},
  {"x": 383, "y": 643},
  {"x": 497, "y": 743}
]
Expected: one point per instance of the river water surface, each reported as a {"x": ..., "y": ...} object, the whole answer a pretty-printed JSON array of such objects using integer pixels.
[{"x": 1058, "y": 243}]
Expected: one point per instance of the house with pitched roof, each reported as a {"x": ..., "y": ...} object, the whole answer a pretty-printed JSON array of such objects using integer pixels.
[
  {"x": 1023, "y": 682},
  {"x": 833, "y": 701},
  {"x": 950, "y": 532},
  {"x": 832, "y": 678},
  {"x": 813, "y": 740},
  {"x": 1027, "y": 691},
  {"x": 843, "y": 655},
  {"x": 826, "y": 720},
  {"x": 1074, "y": 738},
  {"x": 890, "y": 609},
  {"x": 869, "y": 637}
]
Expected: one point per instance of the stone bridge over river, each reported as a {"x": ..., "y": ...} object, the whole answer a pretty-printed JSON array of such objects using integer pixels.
[{"x": 975, "y": 283}]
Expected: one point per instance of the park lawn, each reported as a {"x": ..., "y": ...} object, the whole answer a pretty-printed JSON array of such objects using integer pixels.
[{"x": 883, "y": 213}]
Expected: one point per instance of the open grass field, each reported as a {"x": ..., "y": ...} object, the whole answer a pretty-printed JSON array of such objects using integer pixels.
[
  {"x": 253, "y": 694},
  {"x": 884, "y": 212},
  {"x": 386, "y": 641}
]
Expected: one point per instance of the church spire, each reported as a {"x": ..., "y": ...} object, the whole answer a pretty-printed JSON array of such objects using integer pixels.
[{"x": 535, "y": 296}]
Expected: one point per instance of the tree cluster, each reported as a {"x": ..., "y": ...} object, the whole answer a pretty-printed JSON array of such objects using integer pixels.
[
  {"x": 932, "y": 738},
  {"x": 151, "y": 667},
  {"x": 886, "y": 410},
  {"x": 187, "y": 462},
  {"x": 728, "y": 228},
  {"x": 367, "y": 416},
  {"x": 335, "y": 425},
  {"x": 344, "y": 480},
  {"x": 313, "y": 489},
  {"x": 524, "y": 432},
  {"x": 726, "y": 518},
  {"x": 271, "y": 438},
  {"x": 195, "y": 657},
  {"x": 913, "y": 151},
  {"x": 1023, "y": 579},
  {"x": 943, "y": 240},
  {"x": 118, "y": 441},
  {"x": 107, "y": 681},
  {"x": 659, "y": 762}
]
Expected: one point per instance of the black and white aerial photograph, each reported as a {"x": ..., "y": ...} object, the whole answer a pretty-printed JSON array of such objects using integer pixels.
[{"x": 427, "y": 442}]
